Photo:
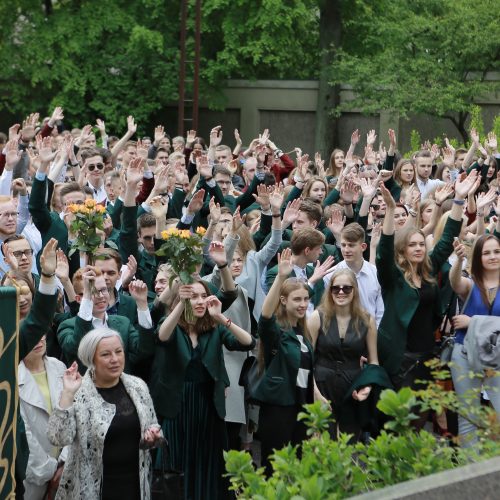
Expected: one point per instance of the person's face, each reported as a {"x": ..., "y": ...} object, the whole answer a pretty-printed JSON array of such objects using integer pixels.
[
  {"x": 109, "y": 360},
  {"x": 110, "y": 272},
  {"x": 446, "y": 175},
  {"x": 222, "y": 157},
  {"x": 400, "y": 217},
  {"x": 249, "y": 169},
  {"x": 224, "y": 183},
  {"x": 8, "y": 218},
  {"x": 197, "y": 147},
  {"x": 38, "y": 351},
  {"x": 162, "y": 157},
  {"x": 490, "y": 172},
  {"x": 146, "y": 239},
  {"x": 424, "y": 168},
  {"x": 339, "y": 160},
  {"x": 25, "y": 299},
  {"x": 237, "y": 264},
  {"x": 427, "y": 214},
  {"x": 146, "y": 142},
  {"x": 317, "y": 191},
  {"x": 313, "y": 253},
  {"x": 112, "y": 187},
  {"x": 199, "y": 300},
  {"x": 490, "y": 255},
  {"x": 165, "y": 144},
  {"x": 352, "y": 251},
  {"x": 224, "y": 225},
  {"x": 342, "y": 290},
  {"x": 378, "y": 207},
  {"x": 95, "y": 166},
  {"x": 296, "y": 303},
  {"x": 407, "y": 173},
  {"x": 100, "y": 296},
  {"x": 459, "y": 159},
  {"x": 178, "y": 145},
  {"x": 23, "y": 253},
  {"x": 415, "y": 249},
  {"x": 129, "y": 154},
  {"x": 303, "y": 220},
  {"x": 161, "y": 282},
  {"x": 90, "y": 142}
]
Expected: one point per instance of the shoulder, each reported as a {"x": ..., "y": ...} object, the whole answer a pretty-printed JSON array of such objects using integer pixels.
[
  {"x": 133, "y": 382},
  {"x": 118, "y": 321},
  {"x": 55, "y": 365}
]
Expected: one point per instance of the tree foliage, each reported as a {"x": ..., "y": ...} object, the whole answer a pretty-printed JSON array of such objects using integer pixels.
[
  {"x": 418, "y": 56},
  {"x": 114, "y": 58}
]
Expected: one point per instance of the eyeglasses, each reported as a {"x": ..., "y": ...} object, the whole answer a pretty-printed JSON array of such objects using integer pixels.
[
  {"x": 346, "y": 289},
  {"x": 101, "y": 291},
  {"x": 6, "y": 215},
  {"x": 92, "y": 167},
  {"x": 375, "y": 207},
  {"x": 19, "y": 253}
]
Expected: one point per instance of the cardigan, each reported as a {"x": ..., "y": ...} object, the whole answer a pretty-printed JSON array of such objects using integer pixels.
[
  {"x": 171, "y": 359},
  {"x": 400, "y": 299},
  {"x": 84, "y": 426}
]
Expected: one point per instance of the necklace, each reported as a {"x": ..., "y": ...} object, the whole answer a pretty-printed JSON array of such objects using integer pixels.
[{"x": 492, "y": 292}]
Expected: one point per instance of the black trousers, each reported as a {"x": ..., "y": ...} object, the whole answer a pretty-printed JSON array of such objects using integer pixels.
[{"x": 278, "y": 426}]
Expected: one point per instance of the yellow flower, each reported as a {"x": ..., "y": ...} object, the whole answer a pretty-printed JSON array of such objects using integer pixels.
[
  {"x": 185, "y": 234},
  {"x": 100, "y": 209},
  {"x": 74, "y": 208},
  {"x": 90, "y": 203},
  {"x": 201, "y": 231},
  {"x": 165, "y": 235}
]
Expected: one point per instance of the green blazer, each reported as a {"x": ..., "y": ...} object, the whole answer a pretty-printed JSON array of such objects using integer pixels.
[
  {"x": 171, "y": 359},
  {"x": 282, "y": 362},
  {"x": 71, "y": 332},
  {"x": 314, "y": 293},
  {"x": 401, "y": 300}
]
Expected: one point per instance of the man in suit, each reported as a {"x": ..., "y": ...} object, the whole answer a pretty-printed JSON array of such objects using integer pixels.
[
  {"x": 306, "y": 246},
  {"x": 92, "y": 314}
]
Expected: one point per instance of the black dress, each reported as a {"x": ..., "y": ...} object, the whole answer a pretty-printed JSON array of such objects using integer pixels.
[
  {"x": 120, "y": 457},
  {"x": 197, "y": 436},
  {"x": 337, "y": 364}
]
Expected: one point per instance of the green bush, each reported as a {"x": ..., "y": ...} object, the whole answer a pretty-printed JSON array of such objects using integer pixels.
[{"x": 329, "y": 469}]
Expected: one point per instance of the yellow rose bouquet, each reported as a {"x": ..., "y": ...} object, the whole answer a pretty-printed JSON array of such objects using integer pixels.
[
  {"x": 184, "y": 252},
  {"x": 87, "y": 227}
]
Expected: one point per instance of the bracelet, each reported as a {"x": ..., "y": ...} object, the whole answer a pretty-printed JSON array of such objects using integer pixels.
[
  {"x": 48, "y": 275},
  {"x": 458, "y": 202},
  {"x": 298, "y": 179},
  {"x": 223, "y": 266},
  {"x": 228, "y": 323},
  {"x": 276, "y": 215},
  {"x": 412, "y": 212}
]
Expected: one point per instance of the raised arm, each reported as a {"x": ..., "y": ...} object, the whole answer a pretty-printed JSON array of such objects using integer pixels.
[
  {"x": 461, "y": 285},
  {"x": 171, "y": 321},
  {"x": 285, "y": 267}
]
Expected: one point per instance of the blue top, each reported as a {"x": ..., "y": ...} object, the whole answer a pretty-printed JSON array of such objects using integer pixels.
[{"x": 476, "y": 306}]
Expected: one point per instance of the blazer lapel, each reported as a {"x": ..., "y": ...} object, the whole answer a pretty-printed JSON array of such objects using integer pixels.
[{"x": 28, "y": 388}]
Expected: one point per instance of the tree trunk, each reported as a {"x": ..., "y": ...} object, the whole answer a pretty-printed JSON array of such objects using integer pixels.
[{"x": 330, "y": 31}]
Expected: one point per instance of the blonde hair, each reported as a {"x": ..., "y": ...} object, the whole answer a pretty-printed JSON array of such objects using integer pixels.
[
  {"x": 424, "y": 268},
  {"x": 328, "y": 308}
]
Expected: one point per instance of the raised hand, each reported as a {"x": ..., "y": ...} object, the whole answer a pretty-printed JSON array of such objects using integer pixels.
[
  {"x": 196, "y": 202},
  {"x": 442, "y": 193},
  {"x": 57, "y": 114},
  {"x": 129, "y": 272},
  {"x": 215, "y": 211},
  {"x": 348, "y": 191},
  {"x": 484, "y": 200},
  {"x": 214, "y": 307},
  {"x": 62, "y": 266},
  {"x": 12, "y": 154},
  {"x": 371, "y": 137},
  {"x": 216, "y": 136},
  {"x": 185, "y": 292},
  {"x": 463, "y": 187},
  {"x": 320, "y": 165},
  {"x": 262, "y": 196},
  {"x": 9, "y": 257},
  {"x": 101, "y": 126},
  {"x": 142, "y": 150},
  {"x": 291, "y": 212},
  {"x": 474, "y": 137},
  {"x": 448, "y": 156},
  {"x": 14, "y": 134},
  {"x": 48, "y": 259},
  {"x": 159, "y": 207},
  {"x": 285, "y": 265},
  {"x": 392, "y": 139},
  {"x": 368, "y": 187},
  {"x": 135, "y": 171},
  {"x": 45, "y": 152},
  {"x": 159, "y": 134},
  {"x": 449, "y": 145},
  {"x": 321, "y": 270},
  {"x": 264, "y": 137},
  {"x": 72, "y": 380},
  {"x": 336, "y": 222},
  {"x": 491, "y": 142},
  {"x": 237, "y": 137},
  {"x": 237, "y": 221},
  {"x": 387, "y": 196},
  {"x": 355, "y": 137},
  {"x": 217, "y": 253},
  {"x": 376, "y": 232},
  {"x": 19, "y": 186},
  {"x": 190, "y": 137},
  {"x": 204, "y": 168},
  {"x": 139, "y": 292},
  {"x": 131, "y": 125},
  {"x": 277, "y": 197},
  {"x": 29, "y": 124}
]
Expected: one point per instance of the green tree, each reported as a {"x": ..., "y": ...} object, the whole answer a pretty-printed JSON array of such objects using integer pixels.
[
  {"x": 114, "y": 58},
  {"x": 418, "y": 56}
]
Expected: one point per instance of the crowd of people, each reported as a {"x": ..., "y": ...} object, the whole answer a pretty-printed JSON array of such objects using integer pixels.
[{"x": 335, "y": 274}]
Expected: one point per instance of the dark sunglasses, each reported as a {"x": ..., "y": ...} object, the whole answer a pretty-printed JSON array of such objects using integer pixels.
[
  {"x": 99, "y": 166},
  {"x": 346, "y": 289},
  {"x": 375, "y": 207}
]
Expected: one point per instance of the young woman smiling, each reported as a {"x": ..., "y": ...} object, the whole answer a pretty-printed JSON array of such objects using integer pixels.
[{"x": 407, "y": 275}]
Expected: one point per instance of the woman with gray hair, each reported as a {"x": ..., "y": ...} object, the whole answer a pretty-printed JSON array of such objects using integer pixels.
[{"x": 108, "y": 419}]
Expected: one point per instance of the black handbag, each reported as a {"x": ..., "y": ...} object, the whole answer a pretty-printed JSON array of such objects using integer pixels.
[{"x": 167, "y": 484}]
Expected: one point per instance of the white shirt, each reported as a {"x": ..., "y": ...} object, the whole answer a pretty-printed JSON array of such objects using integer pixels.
[
  {"x": 370, "y": 292},
  {"x": 99, "y": 194},
  {"x": 425, "y": 186},
  {"x": 85, "y": 312}
]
